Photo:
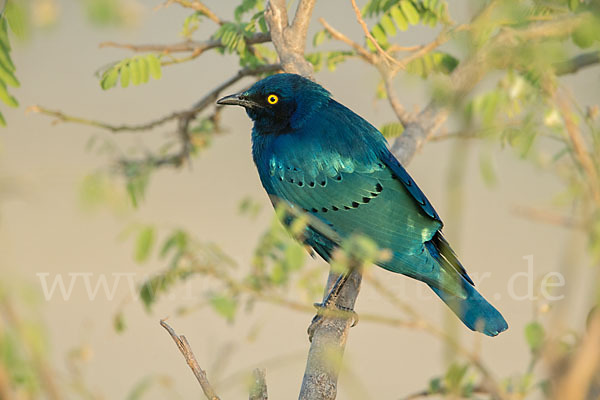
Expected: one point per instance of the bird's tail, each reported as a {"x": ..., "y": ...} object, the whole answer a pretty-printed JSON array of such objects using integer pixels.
[{"x": 475, "y": 311}]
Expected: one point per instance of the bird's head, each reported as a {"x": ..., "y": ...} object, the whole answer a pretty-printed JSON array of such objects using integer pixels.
[{"x": 280, "y": 102}]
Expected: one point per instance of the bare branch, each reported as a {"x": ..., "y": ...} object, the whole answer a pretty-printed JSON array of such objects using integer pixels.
[
  {"x": 207, "y": 100},
  {"x": 198, "y": 6},
  {"x": 258, "y": 390},
  {"x": 582, "y": 156},
  {"x": 196, "y": 47},
  {"x": 576, "y": 63},
  {"x": 585, "y": 363},
  {"x": 548, "y": 217},
  {"x": 289, "y": 41},
  {"x": 328, "y": 343},
  {"x": 190, "y": 358},
  {"x": 364, "y": 53},
  {"x": 388, "y": 58},
  {"x": 299, "y": 27}
]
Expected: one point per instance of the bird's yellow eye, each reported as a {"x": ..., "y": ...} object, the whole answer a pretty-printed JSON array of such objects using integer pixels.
[{"x": 272, "y": 99}]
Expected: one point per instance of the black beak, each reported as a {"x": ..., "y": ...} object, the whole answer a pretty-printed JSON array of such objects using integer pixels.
[{"x": 238, "y": 99}]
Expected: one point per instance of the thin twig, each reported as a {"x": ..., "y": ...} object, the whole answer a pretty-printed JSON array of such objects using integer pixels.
[
  {"x": 185, "y": 349},
  {"x": 196, "y": 47},
  {"x": 364, "y": 53},
  {"x": 582, "y": 156},
  {"x": 199, "y": 6},
  {"x": 391, "y": 60},
  {"x": 548, "y": 217},
  {"x": 576, "y": 63}
]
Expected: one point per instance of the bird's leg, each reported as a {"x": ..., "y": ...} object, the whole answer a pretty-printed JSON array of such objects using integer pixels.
[{"x": 330, "y": 301}]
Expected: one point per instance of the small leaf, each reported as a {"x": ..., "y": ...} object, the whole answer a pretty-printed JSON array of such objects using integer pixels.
[
  {"x": 109, "y": 79},
  {"x": 16, "y": 16},
  {"x": 412, "y": 15},
  {"x": 294, "y": 256},
  {"x": 136, "y": 74},
  {"x": 154, "y": 65},
  {"x": 399, "y": 18},
  {"x": 8, "y": 77},
  {"x": 144, "y": 69},
  {"x": 125, "y": 75},
  {"x": 319, "y": 38},
  {"x": 119, "y": 323},
  {"x": 379, "y": 35},
  {"x": 388, "y": 25},
  {"x": 392, "y": 130},
  {"x": 6, "y": 97},
  {"x": 144, "y": 243},
  {"x": 534, "y": 334},
  {"x": 224, "y": 305},
  {"x": 573, "y": 4}
]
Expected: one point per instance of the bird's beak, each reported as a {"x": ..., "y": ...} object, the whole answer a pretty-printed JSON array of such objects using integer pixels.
[{"x": 238, "y": 99}]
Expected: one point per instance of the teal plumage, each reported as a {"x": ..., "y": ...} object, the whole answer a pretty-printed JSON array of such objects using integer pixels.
[{"x": 318, "y": 155}]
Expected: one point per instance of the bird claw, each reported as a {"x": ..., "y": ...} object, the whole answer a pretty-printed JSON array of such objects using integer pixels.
[{"x": 344, "y": 312}]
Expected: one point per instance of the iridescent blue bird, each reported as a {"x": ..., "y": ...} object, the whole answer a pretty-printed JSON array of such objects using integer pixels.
[{"x": 318, "y": 155}]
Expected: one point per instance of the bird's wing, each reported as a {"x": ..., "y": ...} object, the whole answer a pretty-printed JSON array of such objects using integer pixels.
[{"x": 368, "y": 198}]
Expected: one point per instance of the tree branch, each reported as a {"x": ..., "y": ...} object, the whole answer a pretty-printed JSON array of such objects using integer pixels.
[
  {"x": 198, "y": 6},
  {"x": 185, "y": 349},
  {"x": 328, "y": 344},
  {"x": 196, "y": 47},
  {"x": 578, "y": 62},
  {"x": 290, "y": 41},
  {"x": 385, "y": 56},
  {"x": 199, "y": 106},
  {"x": 258, "y": 390}
]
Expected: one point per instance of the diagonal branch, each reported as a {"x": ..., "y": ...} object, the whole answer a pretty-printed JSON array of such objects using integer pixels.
[{"x": 190, "y": 358}]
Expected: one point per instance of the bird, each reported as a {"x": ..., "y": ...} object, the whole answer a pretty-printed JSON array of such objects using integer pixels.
[{"x": 318, "y": 156}]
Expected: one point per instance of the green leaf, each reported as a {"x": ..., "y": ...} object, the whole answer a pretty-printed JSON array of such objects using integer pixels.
[
  {"x": 119, "y": 322},
  {"x": 2, "y": 120},
  {"x": 294, "y": 256},
  {"x": 399, "y": 18},
  {"x": 6, "y": 97},
  {"x": 586, "y": 33},
  {"x": 573, "y": 4},
  {"x": 534, "y": 334},
  {"x": 144, "y": 70},
  {"x": 178, "y": 240},
  {"x": 136, "y": 74},
  {"x": 125, "y": 75},
  {"x": 16, "y": 16},
  {"x": 109, "y": 79},
  {"x": 388, "y": 25},
  {"x": 392, "y": 129},
  {"x": 379, "y": 35},
  {"x": 224, "y": 305},
  {"x": 8, "y": 77},
  {"x": 144, "y": 243},
  {"x": 412, "y": 15},
  {"x": 455, "y": 375},
  {"x": 319, "y": 37},
  {"x": 154, "y": 65}
]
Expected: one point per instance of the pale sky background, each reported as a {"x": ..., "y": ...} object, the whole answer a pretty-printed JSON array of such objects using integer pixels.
[{"x": 45, "y": 228}]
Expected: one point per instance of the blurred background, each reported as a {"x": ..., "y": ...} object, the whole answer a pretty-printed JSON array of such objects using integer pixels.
[{"x": 71, "y": 211}]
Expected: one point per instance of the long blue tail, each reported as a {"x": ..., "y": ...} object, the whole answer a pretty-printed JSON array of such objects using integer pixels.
[{"x": 474, "y": 311}]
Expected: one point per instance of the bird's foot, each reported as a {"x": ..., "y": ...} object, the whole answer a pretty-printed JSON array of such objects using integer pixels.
[{"x": 335, "y": 310}]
